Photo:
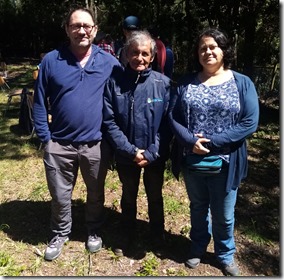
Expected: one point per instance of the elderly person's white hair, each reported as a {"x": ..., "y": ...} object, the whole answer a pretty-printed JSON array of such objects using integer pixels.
[{"x": 138, "y": 38}]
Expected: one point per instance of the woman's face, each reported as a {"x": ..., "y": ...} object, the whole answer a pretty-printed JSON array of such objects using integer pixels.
[{"x": 210, "y": 55}]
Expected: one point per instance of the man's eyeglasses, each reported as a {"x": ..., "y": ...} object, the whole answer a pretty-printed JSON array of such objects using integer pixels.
[{"x": 76, "y": 27}]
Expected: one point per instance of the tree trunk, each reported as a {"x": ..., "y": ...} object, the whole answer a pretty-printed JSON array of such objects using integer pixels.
[
  {"x": 250, "y": 19},
  {"x": 273, "y": 76}
]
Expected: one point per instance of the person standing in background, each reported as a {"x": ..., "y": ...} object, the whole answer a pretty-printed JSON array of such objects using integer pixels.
[
  {"x": 105, "y": 42},
  {"x": 129, "y": 24},
  {"x": 212, "y": 114},
  {"x": 158, "y": 64},
  {"x": 70, "y": 87},
  {"x": 169, "y": 64}
]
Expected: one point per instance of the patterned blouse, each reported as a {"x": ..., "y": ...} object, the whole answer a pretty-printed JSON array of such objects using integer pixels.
[{"x": 211, "y": 109}]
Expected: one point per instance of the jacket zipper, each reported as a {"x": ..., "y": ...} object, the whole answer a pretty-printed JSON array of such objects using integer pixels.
[{"x": 132, "y": 108}]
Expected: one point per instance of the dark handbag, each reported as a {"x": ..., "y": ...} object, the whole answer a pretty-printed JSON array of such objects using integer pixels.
[{"x": 204, "y": 164}]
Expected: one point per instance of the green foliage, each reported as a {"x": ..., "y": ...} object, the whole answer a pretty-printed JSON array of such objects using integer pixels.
[
  {"x": 185, "y": 230},
  {"x": 252, "y": 233},
  {"x": 38, "y": 192},
  {"x": 113, "y": 257},
  {"x": 173, "y": 206},
  {"x": 177, "y": 273},
  {"x": 4, "y": 227},
  {"x": 5, "y": 259},
  {"x": 112, "y": 181},
  {"x": 36, "y": 265},
  {"x": 253, "y": 26},
  {"x": 168, "y": 175},
  {"x": 8, "y": 267},
  {"x": 149, "y": 266}
]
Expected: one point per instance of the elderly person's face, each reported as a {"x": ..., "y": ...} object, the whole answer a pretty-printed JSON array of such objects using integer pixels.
[{"x": 139, "y": 55}]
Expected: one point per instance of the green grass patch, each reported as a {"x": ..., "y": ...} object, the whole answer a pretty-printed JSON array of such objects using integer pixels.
[
  {"x": 149, "y": 266},
  {"x": 8, "y": 266},
  {"x": 173, "y": 206}
]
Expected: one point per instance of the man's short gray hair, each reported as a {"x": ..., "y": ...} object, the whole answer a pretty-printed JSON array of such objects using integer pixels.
[{"x": 139, "y": 37}]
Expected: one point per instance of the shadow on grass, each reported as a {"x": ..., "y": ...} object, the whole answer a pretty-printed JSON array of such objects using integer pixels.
[
  {"x": 28, "y": 222},
  {"x": 176, "y": 247},
  {"x": 258, "y": 205},
  {"x": 12, "y": 142}
]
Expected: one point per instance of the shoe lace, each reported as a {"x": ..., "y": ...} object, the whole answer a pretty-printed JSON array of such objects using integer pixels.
[
  {"x": 93, "y": 237},
  {"x": 54, "y": 241}
]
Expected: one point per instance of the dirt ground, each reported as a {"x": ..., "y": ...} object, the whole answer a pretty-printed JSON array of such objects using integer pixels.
[{"x": 254, "y": 257}]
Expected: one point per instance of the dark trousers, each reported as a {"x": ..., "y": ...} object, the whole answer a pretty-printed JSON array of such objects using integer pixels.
[{"x": 153, "y": 178}]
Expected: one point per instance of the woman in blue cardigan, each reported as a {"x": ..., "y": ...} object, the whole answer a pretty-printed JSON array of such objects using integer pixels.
[{"x": 212, "y": 114}]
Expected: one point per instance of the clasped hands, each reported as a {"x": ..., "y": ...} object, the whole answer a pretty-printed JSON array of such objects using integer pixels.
[
  {"x": 140, "y": 159},
  {"x": 198, "y": 148}
]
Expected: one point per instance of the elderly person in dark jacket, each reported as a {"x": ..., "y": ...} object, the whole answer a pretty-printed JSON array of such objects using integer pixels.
[{"x": 135, "y": 120}]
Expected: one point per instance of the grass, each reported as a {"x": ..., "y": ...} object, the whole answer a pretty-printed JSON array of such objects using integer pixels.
[
  {"x": 25, "y": 210},
  {"x": 8, "y": 266},
  {"x": 149, "y": 266}
]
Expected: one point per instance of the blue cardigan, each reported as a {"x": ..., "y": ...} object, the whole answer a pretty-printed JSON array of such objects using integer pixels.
[
  {"x": 75, "y": 95},
  {"x": 232, "y": 140}
]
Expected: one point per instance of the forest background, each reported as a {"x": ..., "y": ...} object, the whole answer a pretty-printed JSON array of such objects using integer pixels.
[{"x": 32, "y": 27}]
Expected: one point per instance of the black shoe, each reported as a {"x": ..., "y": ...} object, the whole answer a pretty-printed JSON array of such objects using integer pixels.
[
  {"x": 124, "y": 243},
  {"x": 119, "y": 251},
  {"x": 158, "y": 243},
  {"x": 192, "y": 262}
]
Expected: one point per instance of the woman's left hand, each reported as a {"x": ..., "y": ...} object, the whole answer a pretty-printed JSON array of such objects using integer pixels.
[{"x": 198, "y": 147}]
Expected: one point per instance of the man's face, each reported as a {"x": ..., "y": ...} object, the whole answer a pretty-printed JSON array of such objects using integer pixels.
[
  {"x": 139, "y": 55},
  {"x": 81, "y": 29}
]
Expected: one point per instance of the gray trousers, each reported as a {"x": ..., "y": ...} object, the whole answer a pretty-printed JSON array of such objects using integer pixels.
[{"x": 62, "y": 162}]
